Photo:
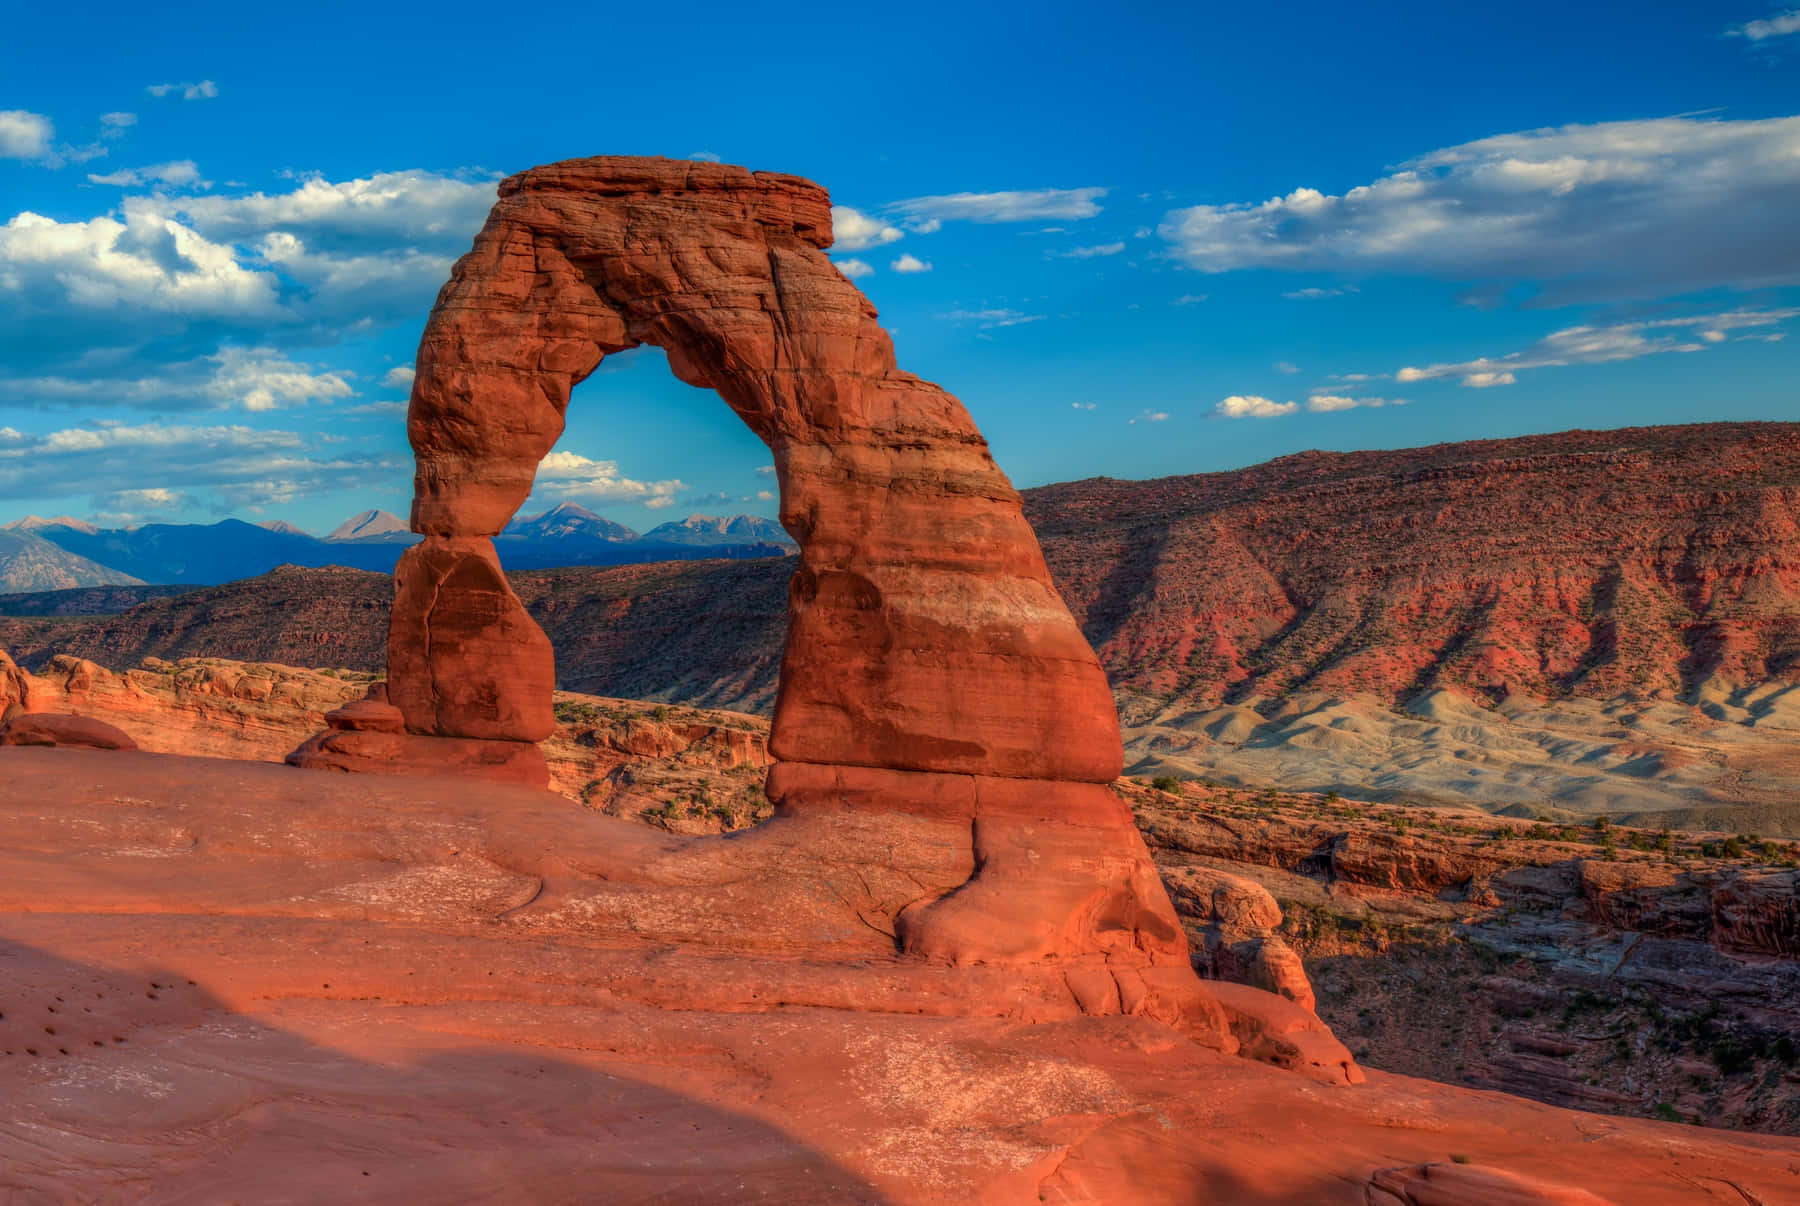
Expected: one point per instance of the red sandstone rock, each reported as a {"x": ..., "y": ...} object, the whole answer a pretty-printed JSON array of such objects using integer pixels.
[
  {"x": 53, "y": 728},
  {"x": 925, "y": 638},
  {"x": 384, "y": 752},
  {"x": 1239, "y": 920},
  {"x": 1277, "y": 1031},
  {"x": 367, "y": 716},
  {"x": 1470, "y": 1185},
  {"x": 15, "y": 687},
  {"x": 924, "y": 631}
]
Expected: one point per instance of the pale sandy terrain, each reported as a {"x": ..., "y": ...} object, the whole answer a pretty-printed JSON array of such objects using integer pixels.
[{"x": 1726, "y": 754}]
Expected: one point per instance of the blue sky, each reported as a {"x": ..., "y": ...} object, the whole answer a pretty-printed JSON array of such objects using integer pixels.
[{"x": 1135, "y": 241}]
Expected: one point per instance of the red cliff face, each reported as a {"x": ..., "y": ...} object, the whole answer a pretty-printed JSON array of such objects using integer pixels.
[{"x": 1643, "y": 561}]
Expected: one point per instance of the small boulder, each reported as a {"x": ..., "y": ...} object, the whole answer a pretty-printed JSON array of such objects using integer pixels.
[{"x": 70, "y": 732}]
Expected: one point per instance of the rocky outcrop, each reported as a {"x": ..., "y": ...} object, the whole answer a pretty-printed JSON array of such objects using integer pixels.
[
  {"x": 1238, "y": 927},
  {"x": 58, "y": 729},
  {"x": 1499, "y": 567},
  {"x": 932, "y": 681}
]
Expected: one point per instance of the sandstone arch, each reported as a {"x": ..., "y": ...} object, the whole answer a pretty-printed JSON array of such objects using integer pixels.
[{"x": 930, "y": 668}]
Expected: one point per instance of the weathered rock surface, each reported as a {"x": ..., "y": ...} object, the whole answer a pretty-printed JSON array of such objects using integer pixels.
[
  {"x": 429, "y": 990},
  {"x": 1623, "y": 971},
  {"x": 59, "y": 729},
  {"x": 930, "y": 671}
]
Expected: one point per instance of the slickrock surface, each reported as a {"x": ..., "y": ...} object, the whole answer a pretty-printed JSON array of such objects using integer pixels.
[
  {"x": 931, "y": 676},
  {"x": 369, "y": 987}
]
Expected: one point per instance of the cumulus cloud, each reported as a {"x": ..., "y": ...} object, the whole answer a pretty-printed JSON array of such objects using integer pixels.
[
  {"x": 565, "y": 475},
  {"x": 987, "y": 319},
  {"x": 1251, "y": 406},
  {"x": 251, "y": 379},
  {"x": 204, "y": 90},
  {"x": 1033, "y": 205},
  {"x": 1778, "y": 26},
  {"x": 162, "y": 274},
  {"x": 1601, "y": 344},
  {"x": 182, "y": 173},
  {"x": 1087, "y": 253},
  {"x": 398, "y": 377},
  {"x": 1631, "y": 208},
  {"x": 853, "y": 230},
  {"x": 855, "y": 269},
  {"x": 909, "y": 262},
  {"x": 25, "y": 135}
]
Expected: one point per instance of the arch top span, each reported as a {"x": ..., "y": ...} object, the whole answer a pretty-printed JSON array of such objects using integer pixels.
[{"x": 924, "y": 633}]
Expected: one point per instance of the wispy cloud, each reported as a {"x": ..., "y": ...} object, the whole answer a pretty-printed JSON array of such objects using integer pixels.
[
  {"x": 1189, "y": 299},
  {"x": 992, "y": 318},
  {"x": 1087, "y": 253},
  {"x": 1031, "y": 205},
  {"x": 1621, "y": 209},
  {"x": 1324, "y": 403},
  {"x": 204, "y": 90},
  {"x": 704, "y": 156},
  {"x": 1316, "y": 293},
  {"x": 1779, "y": 26},
  {"x": 182, "y": 173},
  {"x": 1082, "y": 405},
  {"x": 1149, "y": 416},
  {"x": 1601, "y": 344}
]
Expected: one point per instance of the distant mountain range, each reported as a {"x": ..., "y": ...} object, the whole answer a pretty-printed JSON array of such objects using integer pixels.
[{"x": 60, "y": 554}]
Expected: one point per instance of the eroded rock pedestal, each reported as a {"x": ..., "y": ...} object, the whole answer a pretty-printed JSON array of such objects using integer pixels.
[{"x": 931, "y": 671}]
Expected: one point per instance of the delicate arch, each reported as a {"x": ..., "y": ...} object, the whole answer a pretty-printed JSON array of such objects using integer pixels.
[{"x": 924, "y": 633}]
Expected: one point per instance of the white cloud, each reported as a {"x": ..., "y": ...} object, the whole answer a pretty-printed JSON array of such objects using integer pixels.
[
  {"x": 369, "y": 212},
  {"x": 146, "y": 263},
  {"x": 1325, "y": 403},
  {"x": 855, "y": 269},
  {"x": 852, "y": 230},
  {"x": 1778, "y": 26},
  {"x": 1283, "y": 366},
  {"x": 564, "y": 475},
  {"x": 704, "y": 156},
  {"x": 179, "y": 174},
  {"x": 261, "y": 379},
  {"x": 1189, "y": 299},
  {"x": 1489, "y": 380},
  {"x": 114, "y": 125},
  {"x": 254, "y": 379},
  {"x": 1628, "y": 208},
  {"x": 398, "y": 377},
  {"x": 1087, "y": 253},
  {"x": 988, "y": 319},
  {"x": 766, "y": 470},
  {"x": 25, "y": 135},
  {"x": 204, "y": 90},
  {"x": 1032, "y": 205},
  {"x": 765, "y": 496},
  {"x": 1250, "y": 406},
  {"x": 1149, "y": 416},
  {"x": 910, "y": 263},
  {"x": 1317, "y": 294},
  {"x": 230, "y": 466},
  {"x": 1082, "y": 405},
  {"x": 154, "y": 498},
  {"x": 1590, "y": 344}
]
